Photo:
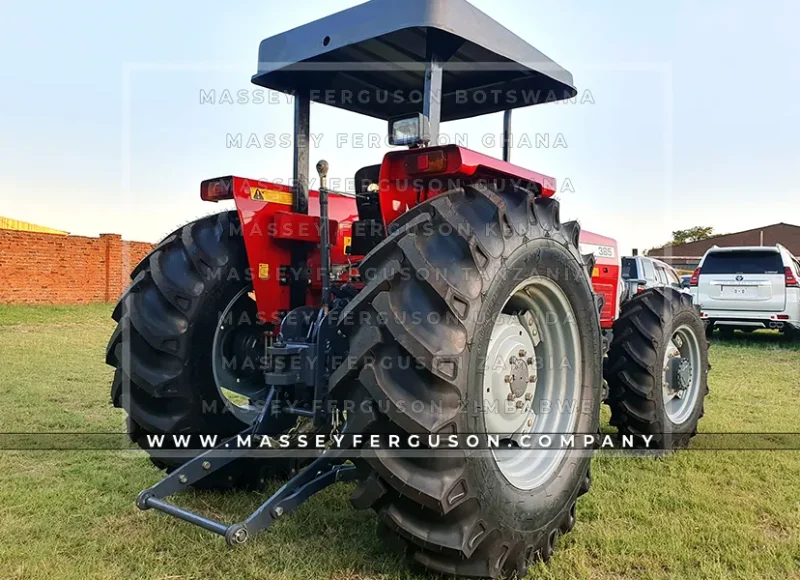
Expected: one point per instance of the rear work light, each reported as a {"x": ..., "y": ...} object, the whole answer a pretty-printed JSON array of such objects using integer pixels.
[
  {"x": 409, "y": 130},
  {"x": 695, "y": 277},
  {"x": 216, "y": 189},
  {"x": 431, "y": 162},
  {"x": 791, "y": 281}
]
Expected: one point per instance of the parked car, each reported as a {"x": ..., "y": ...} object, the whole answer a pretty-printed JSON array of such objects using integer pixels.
[
  {"x": 748, "y": 288},
  {"x": 640, "y": 273}
]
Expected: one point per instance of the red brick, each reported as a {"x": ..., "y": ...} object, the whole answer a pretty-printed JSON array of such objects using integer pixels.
[{"x": 38, "y": 268}]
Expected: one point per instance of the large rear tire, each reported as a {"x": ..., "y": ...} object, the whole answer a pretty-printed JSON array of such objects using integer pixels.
[
  {"x": 419, "y": 334},
  {"x": 190, "y": 286},
  {"x": 657, "y": 369}
]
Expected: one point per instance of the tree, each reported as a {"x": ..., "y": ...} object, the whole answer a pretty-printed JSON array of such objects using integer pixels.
[
  {"x": 685, "y": 236},
  {"x": 691, "y": 235}
]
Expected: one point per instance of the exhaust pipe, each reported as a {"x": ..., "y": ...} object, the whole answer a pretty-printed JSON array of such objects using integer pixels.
[{"x": 776, "y": 325}]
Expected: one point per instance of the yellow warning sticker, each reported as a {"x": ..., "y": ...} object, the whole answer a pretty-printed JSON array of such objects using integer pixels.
[
  {"x": 348, "y": 240},
  {"x": 271, "y": 195},
  {"x": 263, "y": 271}
]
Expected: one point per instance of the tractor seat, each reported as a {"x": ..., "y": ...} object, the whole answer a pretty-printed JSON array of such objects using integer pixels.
[{"x": 368, "y": 230}]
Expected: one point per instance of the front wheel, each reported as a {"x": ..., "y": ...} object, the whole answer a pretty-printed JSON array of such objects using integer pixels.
[
  {"x": 478, "y": 318},
  {"x": 657, "y": 368}
]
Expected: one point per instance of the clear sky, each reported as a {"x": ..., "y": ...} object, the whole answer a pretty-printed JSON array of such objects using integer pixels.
[{"x": 693, "y": 116}]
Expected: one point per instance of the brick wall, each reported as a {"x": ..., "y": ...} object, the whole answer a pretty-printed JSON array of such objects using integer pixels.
[
  {"x": 40, "y": 268},
  {"x": 787, "y": 235}
]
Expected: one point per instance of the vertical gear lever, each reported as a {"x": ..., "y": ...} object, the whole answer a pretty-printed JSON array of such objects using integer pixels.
[{"x": 324, "y": 234}]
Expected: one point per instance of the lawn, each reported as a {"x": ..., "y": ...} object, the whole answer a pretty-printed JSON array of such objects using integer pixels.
[{"x": 70, "y": 514}]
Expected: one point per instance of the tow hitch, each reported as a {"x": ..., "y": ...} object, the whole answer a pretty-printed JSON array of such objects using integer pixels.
[{"x": 296, "y": 363}]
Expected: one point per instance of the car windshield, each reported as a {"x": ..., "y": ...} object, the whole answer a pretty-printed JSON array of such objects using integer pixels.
[
  {"x": 629, "y": 269},
  {"x": 743, "y": 262}
]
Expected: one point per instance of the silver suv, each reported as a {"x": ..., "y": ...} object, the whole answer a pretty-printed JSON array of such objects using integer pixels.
[
  {"x": 640, "y": 273},
  {"x": 748, "y": 288}
]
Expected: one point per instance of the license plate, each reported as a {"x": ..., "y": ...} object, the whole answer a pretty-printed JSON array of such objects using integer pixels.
[{"x": 735, "y": 291}]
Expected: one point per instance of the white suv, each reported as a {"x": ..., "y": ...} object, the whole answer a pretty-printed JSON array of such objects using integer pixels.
[{"x": 748, "y": 288}]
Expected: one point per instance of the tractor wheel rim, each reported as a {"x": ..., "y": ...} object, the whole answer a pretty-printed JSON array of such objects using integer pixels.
[
  {"x": 241, "y": 393},
  {"x": 681, "y": 378},
  {"x": 531, "y": 381}
]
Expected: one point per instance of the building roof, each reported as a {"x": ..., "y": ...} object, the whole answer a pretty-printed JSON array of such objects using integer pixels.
[
  {"x": 21, "y": 226},
  {"x": 782, "y": 233}
]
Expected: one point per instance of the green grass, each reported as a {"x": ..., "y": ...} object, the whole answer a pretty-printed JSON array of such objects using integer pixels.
[{"x": 70, "y": 515}]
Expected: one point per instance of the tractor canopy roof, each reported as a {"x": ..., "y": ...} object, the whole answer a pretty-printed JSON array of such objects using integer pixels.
[{"x": 372, "y": 59}]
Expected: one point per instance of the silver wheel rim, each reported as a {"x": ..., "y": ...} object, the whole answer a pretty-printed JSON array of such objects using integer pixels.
[
  {"x": 242, "y": 395},
  {"x": 532, "y": 380},
  {"x": 681, "y": 375}
]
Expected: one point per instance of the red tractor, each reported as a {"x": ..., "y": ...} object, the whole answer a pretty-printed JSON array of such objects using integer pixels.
[{"x": 445, "y": 298}]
